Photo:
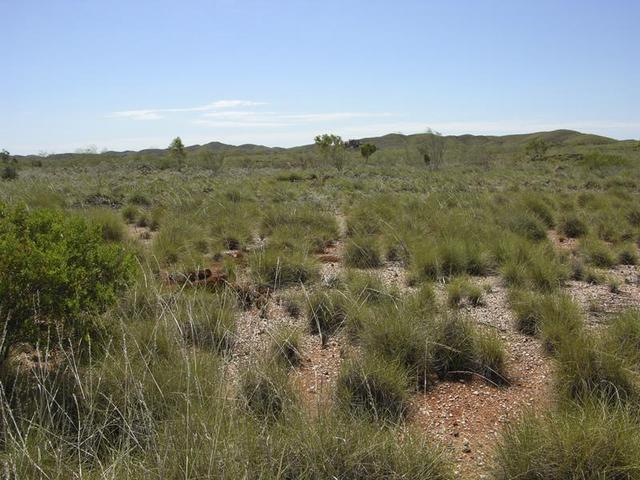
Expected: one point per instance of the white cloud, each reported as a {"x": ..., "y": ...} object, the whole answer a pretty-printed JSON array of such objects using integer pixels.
[
  {"x": 157, "y": 113},
  {"x": 240, "y": 118}
]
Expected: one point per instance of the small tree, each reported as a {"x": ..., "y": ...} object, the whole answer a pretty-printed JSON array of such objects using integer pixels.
[
  {"x": 432, "y": 149},
  {"x": 536, "y": 149},
  {"x": 9, "y": 173},
  {"x": 57, "y": 274},
  {"x": 332, "y": 148},
  {"x": 367, "y": 150},
  {"x": 176, "y": 151},
  {"x": 5, "y": 156}
]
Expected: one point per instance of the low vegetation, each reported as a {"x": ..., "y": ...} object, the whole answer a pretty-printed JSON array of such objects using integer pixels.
[{"x": 204, "y": 313}]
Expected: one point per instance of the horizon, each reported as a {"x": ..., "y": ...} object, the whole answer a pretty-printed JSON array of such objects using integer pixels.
[{"x": 89, "y": 74}]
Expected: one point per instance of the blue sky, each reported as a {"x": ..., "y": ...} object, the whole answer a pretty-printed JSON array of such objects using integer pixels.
[{"x": 134, "y": 74}]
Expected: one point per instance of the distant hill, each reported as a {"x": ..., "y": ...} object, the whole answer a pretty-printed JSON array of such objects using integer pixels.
[{"x": 564, "y": 138}]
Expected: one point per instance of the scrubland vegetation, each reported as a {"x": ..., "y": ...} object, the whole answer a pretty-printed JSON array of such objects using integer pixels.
[{"x": 120, "y": 356}]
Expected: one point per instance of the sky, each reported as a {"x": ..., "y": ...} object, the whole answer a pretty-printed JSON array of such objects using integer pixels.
[{"x": 118, "y": 75}]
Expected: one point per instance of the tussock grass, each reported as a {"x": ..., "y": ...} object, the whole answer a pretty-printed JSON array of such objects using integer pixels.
[
  {"x": 265, "y": 390},
  {"x": 276, "y": 269},
  {"x": 362, "y": 252},
  {"x": 398, "y": 337},
  {"x": 286, "y": 344},
  {"x": 553, "y": 316},
  {"x": 109, "y": 222},
  {"x": 208, "y": 320},
  {"x": 587, "y": 443},
  {"x": 326, "y": 313},
  {"x": 374, "y": 387},
  {"x": 572, "y": 226}
]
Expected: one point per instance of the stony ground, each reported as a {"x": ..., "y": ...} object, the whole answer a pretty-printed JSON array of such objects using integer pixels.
[{"x": 465, "y": 415}]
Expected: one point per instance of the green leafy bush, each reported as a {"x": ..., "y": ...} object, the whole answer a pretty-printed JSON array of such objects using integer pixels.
[{"x": 56, "y": 273}]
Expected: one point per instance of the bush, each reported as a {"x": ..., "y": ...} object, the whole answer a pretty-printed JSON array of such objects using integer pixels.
[
  {"x": 139, "y": 199},
  {"x": 589, "y": 443},
  {"x": 461, "y": 288},
  {"x": 362, "y": 252},
  {"x": 455, "y": 292},
  {"x": 56, "y": 274},
  {"x": 525, "y": 306},
  {"x": 573, "y": 226},
  {"x": 327, "y": 312},
  {"x": 333, "y": 446},
  {"x": 9, "y": 173},
  {"x": 374, "y": 387},
  {"x": 529, "y": 226}
]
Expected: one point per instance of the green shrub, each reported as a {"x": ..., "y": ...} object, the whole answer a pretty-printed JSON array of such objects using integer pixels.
[
  {"x": 362, "y": 252},
  {"x": 590, "y": 443},
  {"x": 374, "y": 387},
  {"x": 554, "y": 316},
  {"x": 335, "y": 446},
  {"x": 455, "y": 292},
  {"x": 461, "y": 288},
  {"x": 538, "y": 205},
  {"x": 9, "y": 173},
  {"x": 139, "y": 199},
  {"x": 326, "y": 313},
  {"x": 56, "y": 274}
]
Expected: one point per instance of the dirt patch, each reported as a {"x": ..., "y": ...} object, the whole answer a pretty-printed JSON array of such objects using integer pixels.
[
  {"x": 142, "y": 234},
  {"x": 561, "y": 242},
  {"x": 468, "y": 416},
  {"x": 599, "y": 301}
]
